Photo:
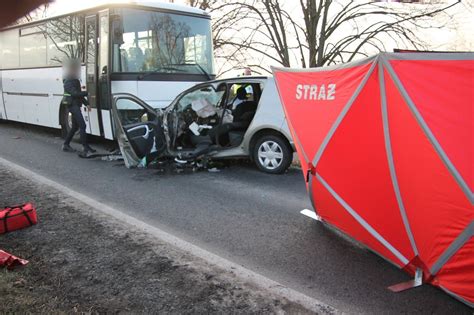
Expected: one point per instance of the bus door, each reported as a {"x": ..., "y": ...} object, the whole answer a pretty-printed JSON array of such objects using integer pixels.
[
  {"x": 97, "y": 69},
  {"x": 91, "y": 73}
]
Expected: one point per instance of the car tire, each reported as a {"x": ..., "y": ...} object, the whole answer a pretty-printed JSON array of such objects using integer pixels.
[{"x": 272, "y": 154}]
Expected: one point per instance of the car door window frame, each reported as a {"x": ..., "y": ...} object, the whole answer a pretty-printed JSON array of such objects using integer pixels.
[{"x": 147, "y": 109}]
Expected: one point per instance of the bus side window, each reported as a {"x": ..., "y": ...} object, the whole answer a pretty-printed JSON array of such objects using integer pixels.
[{"x": 65, "y": 38}]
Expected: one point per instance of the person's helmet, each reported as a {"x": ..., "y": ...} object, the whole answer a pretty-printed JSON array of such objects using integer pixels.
[{"x": 241, "y": 93}]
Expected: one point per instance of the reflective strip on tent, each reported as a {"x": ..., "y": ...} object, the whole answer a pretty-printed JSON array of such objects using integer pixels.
[{"x": 387, "y": 146}]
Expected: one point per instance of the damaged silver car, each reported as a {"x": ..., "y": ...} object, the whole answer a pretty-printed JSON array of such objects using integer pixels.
[{"x": 232, "y": 118}]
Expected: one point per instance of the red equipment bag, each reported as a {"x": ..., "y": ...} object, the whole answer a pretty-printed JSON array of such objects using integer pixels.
[{"x": 17, "y": 217}]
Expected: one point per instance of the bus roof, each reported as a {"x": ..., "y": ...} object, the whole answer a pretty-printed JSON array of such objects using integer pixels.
[{"x": 154, "y": 4}]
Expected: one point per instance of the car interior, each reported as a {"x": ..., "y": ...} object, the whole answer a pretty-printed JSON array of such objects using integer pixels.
[
  {"x": 211, "y": 118},
  {"x": 142, "y": 127}
]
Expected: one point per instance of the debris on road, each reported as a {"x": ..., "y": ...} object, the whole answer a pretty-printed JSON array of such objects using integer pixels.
[
  {"x": 213, "y": 170},
  {"x": 114, "y": 155}
]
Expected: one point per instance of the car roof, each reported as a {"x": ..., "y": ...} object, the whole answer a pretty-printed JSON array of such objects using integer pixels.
[{"x": 243, "y": 79}]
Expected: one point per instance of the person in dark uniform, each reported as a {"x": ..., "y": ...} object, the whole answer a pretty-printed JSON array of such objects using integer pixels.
[{"x": 74, "y": 98}]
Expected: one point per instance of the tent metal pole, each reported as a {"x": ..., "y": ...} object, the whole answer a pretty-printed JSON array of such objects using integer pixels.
[
  {"x": 390, "y": 160},
  {"x": 415, "y": 282},
  {"x": 434, "y": 142}
]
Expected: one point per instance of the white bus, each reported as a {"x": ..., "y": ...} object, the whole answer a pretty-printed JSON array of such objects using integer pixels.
[{"x": 150, "y": 49}]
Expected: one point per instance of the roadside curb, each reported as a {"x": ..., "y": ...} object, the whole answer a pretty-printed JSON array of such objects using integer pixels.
[{"x": 243, "y": 273}]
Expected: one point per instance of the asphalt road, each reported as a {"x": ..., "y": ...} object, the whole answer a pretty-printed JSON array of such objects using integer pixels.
[{"x": 238, "y": 213}]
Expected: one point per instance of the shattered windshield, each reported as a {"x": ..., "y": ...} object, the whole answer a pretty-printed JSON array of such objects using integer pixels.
[{"x": 148, "y": 41}]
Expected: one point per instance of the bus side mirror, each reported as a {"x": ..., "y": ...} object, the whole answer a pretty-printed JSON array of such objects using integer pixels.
[{"x": 104, "y": 70}]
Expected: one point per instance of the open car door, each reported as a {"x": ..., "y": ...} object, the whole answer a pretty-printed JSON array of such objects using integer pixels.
[{"x": 138, "y": 129}]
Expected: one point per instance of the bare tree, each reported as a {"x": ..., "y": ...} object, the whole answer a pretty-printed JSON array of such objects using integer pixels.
[
  {"x": 203, "y": 4},
  {"x": 39, "y": 13},
  {"x": 21, "y": 11},
  {"x": 168, "y": 47},
  {"x": 397, "y": 23},
  {"x": 67, "y": 36},
  {"x": 314, "y": 33},
  {"x": 225, "y": 17}
]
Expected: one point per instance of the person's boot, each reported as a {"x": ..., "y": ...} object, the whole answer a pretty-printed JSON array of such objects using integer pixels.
[
  {"x": 67, "y": 148},
  {"x": 86, "y": 153},
  {"x": 87, "y": 148}
]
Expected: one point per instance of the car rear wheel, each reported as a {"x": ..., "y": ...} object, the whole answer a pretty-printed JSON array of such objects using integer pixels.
[{"x": 272, "y": 154}]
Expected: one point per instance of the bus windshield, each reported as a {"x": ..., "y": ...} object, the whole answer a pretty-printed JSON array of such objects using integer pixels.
[{"x": 157, "y": 42}]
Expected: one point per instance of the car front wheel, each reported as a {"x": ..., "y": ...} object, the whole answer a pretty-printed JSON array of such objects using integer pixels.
[{"x": 272, "y": 154}]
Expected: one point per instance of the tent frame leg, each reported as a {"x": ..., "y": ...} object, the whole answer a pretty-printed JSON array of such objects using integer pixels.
[{"x": 415, "y": 282}]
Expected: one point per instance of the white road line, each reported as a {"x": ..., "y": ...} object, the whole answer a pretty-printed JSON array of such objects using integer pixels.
[
  {"x": 243, "y": 273},
  {"x": 311, "y": 214}
]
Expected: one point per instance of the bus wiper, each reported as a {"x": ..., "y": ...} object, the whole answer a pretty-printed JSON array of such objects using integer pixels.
[
  {"x": 147, "y": 73},
  {"x": 204, "y": 71},
  {"x": 195, "y": 65}
]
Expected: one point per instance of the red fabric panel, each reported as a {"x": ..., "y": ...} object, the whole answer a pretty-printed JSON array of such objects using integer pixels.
[
  {"x": 436, "y": 207},
  {"x": 311, "y": 119},
  {"x": 458, "y": 274},
  {"x": 332, "y": 212},
  {"x": 355, "y": 166},
  {"x": 10, "y": 261},
  {"x": 299, "y": 151},
  {"x": 443, "y": 93}
]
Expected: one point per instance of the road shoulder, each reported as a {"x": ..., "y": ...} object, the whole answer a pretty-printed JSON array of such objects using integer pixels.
[{"x": 85, "y": 256}]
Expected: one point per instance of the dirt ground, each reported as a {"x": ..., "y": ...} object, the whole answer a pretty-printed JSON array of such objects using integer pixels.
[{"x": 81, "y": 261}]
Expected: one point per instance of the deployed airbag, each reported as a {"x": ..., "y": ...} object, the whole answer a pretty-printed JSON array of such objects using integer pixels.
[{"x": 203, "y": 108}]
